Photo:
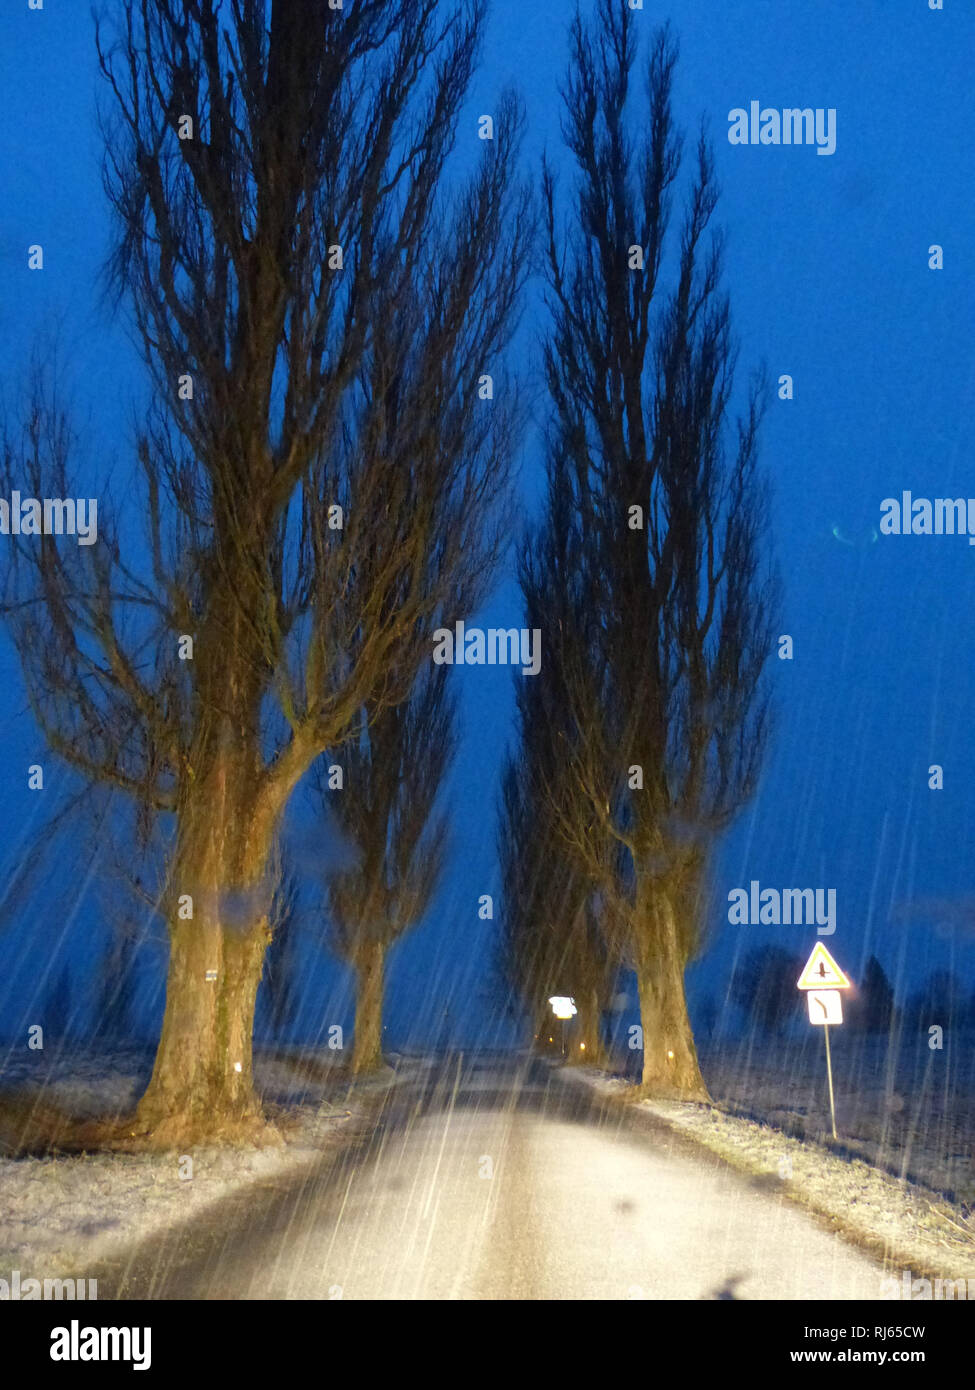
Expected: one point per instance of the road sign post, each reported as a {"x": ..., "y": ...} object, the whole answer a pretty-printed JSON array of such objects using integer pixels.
[
  {"x": 823, "y": 979},
  {"x": 829, "y": 1074}
]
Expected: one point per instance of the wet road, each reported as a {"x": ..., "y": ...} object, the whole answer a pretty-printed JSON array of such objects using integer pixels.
[{"x": 483, "y": 1182}]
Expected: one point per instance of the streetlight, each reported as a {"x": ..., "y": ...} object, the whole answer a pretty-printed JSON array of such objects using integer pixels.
[{"x": 563, "y": 1007}]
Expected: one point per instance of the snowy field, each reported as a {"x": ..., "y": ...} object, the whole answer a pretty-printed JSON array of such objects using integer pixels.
[
  {"x": 61, "y": 1214},
  {"x": 909, "y": 1110}
]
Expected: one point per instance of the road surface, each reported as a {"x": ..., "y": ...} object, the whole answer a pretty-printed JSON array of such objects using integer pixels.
[{"x": 480, "y": 1182}]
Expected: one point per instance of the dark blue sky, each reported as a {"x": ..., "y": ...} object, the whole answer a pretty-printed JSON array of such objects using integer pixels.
[{"x": 827, "y": 267}]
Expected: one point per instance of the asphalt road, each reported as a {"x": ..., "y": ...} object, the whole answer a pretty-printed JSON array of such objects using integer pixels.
[{"x": 483, "y": 1183}]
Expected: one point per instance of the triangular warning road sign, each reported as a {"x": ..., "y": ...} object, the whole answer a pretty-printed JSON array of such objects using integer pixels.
[{"x": 822, "y": 972}]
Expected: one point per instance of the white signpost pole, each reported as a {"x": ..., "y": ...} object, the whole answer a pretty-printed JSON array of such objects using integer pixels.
[{"x": 829, "y": 1073}]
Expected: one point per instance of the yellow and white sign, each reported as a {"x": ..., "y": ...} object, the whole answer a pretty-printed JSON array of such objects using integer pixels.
[{"x": 821, "y": 971}]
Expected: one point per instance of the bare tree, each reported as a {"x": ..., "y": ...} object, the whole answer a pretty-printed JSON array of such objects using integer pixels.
[
  {"x": 114, "y": 1020},
  {"x": 652, "y": 551},
  {"x": 393, "y": 773},
  {"x": 553, "y": 937},
  {"x": 551, "y": 940},
  {"x": 525, "y": 948},
  {"x": 763, "y": 985},
  {"x": 60, "y": 1010},
  {"x": 298, "y": 278},
  {"x": 280, "y": 977}
]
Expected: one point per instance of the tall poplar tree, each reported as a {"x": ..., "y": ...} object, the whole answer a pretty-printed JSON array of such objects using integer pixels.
[{"x": 283, "y": 222}]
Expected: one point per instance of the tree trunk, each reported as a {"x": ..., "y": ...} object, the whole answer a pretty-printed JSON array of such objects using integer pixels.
[
  {"x": 367, "y": 1045},
  {"x": 587, "y": 1048},
  {"x": 202, "y": 1084},
  {"x": 541, "y": 1027},
  {"x": 671, "y": 1069}
]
